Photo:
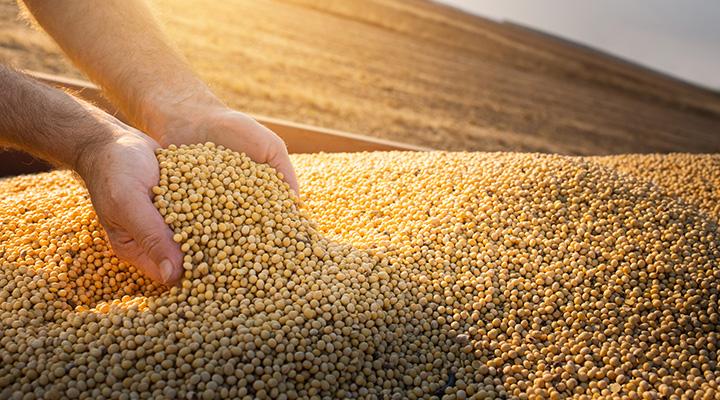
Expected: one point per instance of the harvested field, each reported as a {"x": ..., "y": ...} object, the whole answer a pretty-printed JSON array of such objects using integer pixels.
[{"x": 418, "y": 72}]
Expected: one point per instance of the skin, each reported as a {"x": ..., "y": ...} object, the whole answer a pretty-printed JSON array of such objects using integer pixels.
[
  {"x": 119, "y": 45},
  {"x": 116, "y": 162}
]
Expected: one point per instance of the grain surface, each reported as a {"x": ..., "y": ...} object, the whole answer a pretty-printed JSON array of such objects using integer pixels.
[{"x": 400, "y": 275}]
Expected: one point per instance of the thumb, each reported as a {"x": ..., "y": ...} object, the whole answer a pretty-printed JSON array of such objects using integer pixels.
[
  {"x": 160, "y": 257},
  {"x": 128, "y": 250}
]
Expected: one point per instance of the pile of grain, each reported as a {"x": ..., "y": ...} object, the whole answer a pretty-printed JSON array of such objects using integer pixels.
[
  {"x": 692, "y": 178},
  {"x": 405, "y": 275}
]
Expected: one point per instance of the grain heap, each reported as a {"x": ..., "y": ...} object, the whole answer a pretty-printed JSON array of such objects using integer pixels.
[
  {"x": 452, "y": 275},
  {"x": 690, "y": 177}
]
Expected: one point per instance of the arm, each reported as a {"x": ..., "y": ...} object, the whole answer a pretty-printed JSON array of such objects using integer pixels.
[
  {"x": 118, "y": 45},
  {"x": 116, "y": 162},
  {"x": 39, "y": 119}
]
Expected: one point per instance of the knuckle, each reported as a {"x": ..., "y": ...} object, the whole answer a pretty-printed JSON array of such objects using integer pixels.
[
  {"x": 115, "y": 196},
  {"x": 150, "y": 240},
  {"x": 278, "y": 145},
  {"x": 122, "y": 247}
]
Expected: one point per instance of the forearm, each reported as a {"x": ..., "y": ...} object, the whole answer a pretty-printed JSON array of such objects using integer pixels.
[
  {"x": 47, "y": 122},
  {"x": 118, "y": 44}
]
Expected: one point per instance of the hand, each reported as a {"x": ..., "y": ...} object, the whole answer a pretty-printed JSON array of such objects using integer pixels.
[
  {"x": 119, "y": 174},
  {"x": 200, "y": 123}
]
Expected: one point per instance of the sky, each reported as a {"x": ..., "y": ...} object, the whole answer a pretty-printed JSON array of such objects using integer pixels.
[{"x": 677, "y": 37}]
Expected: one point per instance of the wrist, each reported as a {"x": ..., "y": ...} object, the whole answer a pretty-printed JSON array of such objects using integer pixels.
[
  {"x": 75, "y": 144},
  {"x": 90, "y": 151},
  {"x": 164, "y": 114},
  {"x": 96, "y": 135}
]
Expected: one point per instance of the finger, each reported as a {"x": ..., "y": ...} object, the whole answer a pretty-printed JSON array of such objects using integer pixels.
[
  {"x": 280, "y": 160},
  {"x": 154, "y": 238},
  {"x": 284, "y": 166},
  {"x": 125, "y": 247}
]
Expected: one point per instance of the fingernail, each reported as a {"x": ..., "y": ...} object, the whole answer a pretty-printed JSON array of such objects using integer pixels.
[{"x": 166, "y": 270}]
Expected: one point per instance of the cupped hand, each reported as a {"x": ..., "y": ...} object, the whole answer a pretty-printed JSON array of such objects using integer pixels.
[
  {"x": 119, "y": 174},
  {"x": 230, "y": 128}
]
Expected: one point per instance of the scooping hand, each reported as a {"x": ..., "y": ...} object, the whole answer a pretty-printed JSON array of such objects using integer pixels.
[
  {"x": 119, "y": 175},
  {"x": 116, "y": 162},
  {"x": 199, "y": 123}
]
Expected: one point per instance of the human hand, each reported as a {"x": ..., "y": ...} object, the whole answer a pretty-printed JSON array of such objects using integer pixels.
[
  {"x": 119, "y": 173},
  {"x": 199, "y": 123},
  {"x": 116, "y": 162}
]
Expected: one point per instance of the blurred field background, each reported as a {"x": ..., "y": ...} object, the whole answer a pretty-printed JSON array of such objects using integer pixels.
[{"x": 417, "y": 72}]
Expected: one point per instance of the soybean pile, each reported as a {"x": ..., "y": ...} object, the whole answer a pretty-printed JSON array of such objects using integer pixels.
[{"x": 398, "y": 275}]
